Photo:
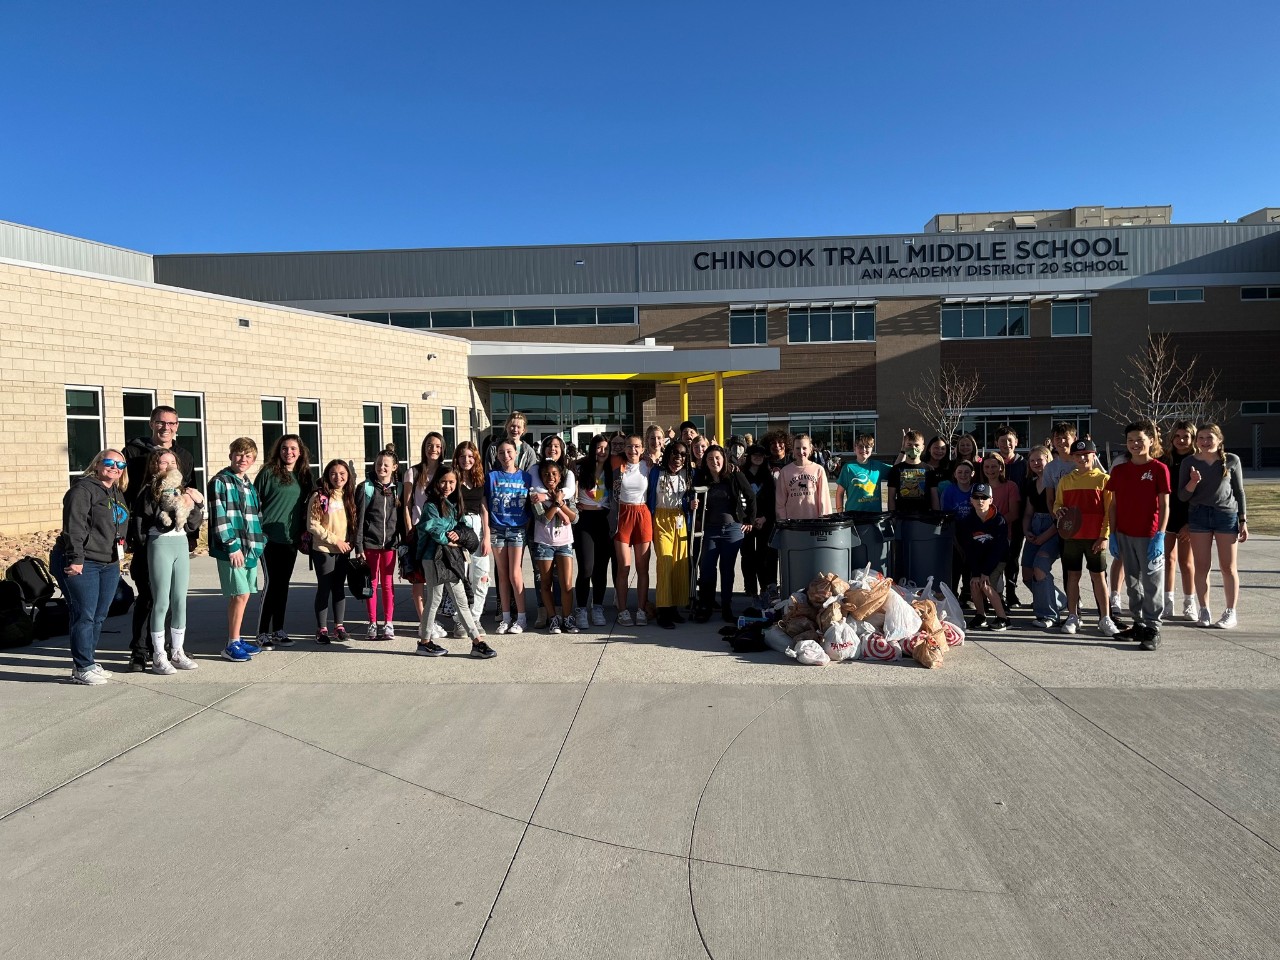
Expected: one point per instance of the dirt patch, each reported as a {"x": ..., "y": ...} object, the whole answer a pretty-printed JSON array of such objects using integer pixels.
[{"x": 15, "y": 547}]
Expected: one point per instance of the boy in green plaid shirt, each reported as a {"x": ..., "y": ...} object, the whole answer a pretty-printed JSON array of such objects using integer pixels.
[{"x": 236, "y": 541}]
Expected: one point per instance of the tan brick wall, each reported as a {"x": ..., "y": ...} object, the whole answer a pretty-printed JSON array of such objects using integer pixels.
[{"x": 59, "y": 328}]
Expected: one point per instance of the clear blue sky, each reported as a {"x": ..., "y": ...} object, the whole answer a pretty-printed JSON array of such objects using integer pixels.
[{"x": 177, "y": 127}]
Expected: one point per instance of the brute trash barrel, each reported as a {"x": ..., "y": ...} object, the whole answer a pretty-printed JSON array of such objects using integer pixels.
[
  {"x": 924, "y": 547},
  {"x": 809, "y": 548},
  {"x": 872, "y": 540}
]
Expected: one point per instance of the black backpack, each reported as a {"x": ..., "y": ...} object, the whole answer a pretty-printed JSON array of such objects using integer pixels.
[
  {"x": 32, "y": 576},
  {"x": 16, "y": 626},
  {"x": 123, "y": 599}
]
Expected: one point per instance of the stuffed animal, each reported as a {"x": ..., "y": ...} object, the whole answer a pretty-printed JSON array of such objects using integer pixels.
[{"x": 175, "y": 506}]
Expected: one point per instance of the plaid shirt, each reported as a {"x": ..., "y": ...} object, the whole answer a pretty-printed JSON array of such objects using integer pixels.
[{"x": 234, "y": 520}]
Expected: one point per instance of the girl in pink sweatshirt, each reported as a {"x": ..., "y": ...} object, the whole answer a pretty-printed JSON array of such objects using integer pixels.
[{"x": 802, "y": 491}]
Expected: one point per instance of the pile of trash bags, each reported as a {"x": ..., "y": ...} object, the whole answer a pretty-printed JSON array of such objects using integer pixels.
[{"x": 867, "y": 618}]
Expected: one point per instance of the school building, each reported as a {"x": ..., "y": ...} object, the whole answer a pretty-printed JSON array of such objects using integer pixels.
[{"x": 825, "y": 335}]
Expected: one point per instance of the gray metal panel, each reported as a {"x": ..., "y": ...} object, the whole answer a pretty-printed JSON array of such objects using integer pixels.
[{"x": 18, "y": 242}]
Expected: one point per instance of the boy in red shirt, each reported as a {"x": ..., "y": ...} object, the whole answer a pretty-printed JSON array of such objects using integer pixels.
[
  {"x": 1139, "y": 511},
  {"x": 1084, "y": 490}
]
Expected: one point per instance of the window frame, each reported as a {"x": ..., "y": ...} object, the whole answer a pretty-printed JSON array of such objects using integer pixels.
[
  {"x": 402, "y": 451},
  {"x": 365, "y": 424},
  {"x": 125, "y": 419},
  {"x": 756, "y": 424},
  {"x": 1272, "y": 408},
  {"x": 449, "y": 428},
  {"x": 853, "y": 422},
  {"x": 1269, "y": 293},
  {"x": 200, "y": 470},
  {"x": 759, "y": 317},
  {"x": 1077, "y": 303},
  {"x": 283, "y": 422},
  {"x": 317, "y": 451},
  {"x": 101, "y": 420},
  {"x": 1177, "y": 298},
  {"x": 985, "y": 308},
  {"x": 793, "y": 312}
]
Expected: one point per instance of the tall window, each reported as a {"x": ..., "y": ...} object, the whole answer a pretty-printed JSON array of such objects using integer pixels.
[
  {"x": 449, "y": 427},
  {"x": 138, "y": 405},
  {"x": 273, "y": 423},
  {"x": 756, "y": 424},
  {"x": 980, "y": 321},
  {"x": 748, "y": 327},
  {"x": 832, "y": 324},
  {"x": 86, "y": 428},
  {"x": 309, "y": 431},
  {"x": 190, "y": 407},
  {"x": 400, "y": 434},
  {"x": 372, "y": 433},
  {"x": 1071, "y": 318}
]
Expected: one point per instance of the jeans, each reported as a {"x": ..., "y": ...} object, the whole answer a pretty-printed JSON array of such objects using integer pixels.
[
  {"x": 721, "y": 543},
  {"x": 89, "y": 597}
]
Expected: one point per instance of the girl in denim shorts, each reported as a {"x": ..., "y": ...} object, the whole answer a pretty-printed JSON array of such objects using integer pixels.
[
  {"x": 1212, "y": 485},
  {"x": 554, "y": 516},
  {"x": 507, "y": 497}
]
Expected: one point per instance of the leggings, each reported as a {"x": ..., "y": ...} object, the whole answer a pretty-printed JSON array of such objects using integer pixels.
[
  {"x": 382, "y": 564},
  {"x": 331, "y": 586},
  {"x": 594, "y": 547},
  {"x": 169, "y": 567},
  {"x": 278, "y": 560}
]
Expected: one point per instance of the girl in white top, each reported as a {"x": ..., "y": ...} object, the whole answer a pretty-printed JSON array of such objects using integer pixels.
[
  {"x": 635, "y": 530},
  {"x": 417, "y": 483}
]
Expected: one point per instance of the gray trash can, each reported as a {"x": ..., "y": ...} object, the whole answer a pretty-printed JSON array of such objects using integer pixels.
[
  {"x": 924, "y": 547},
  {"x": 808, "y": 548},
  {"x": 872, "y": 540}
]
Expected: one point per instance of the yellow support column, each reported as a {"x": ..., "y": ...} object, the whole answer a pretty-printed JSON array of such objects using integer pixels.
[
  {"x": 720, "y": 435},
  {"x": 684, "y": 399}
]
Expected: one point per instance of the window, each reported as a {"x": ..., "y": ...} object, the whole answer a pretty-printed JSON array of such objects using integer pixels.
[
  {"x": 756, "y": 424},
  {"x": 1176, "y": 295},
  {"x": 493, "y": 318},
  {"x": 983, "y": 426},
  {"x": 190, "y": 407},
  {"x": 86, "y": 429},
  {"x": 273, "y": 425},
  {"x": 699, "y": 420},
  {"x": 535, "y": 318},
  {"x": 449, "y": 427},
  {"x": 1260, "y": 293},
  {"x": 309, "y": 431},
  {"x": 541, "y": 317},
  {"x": 749, "y": 327},
  {"x": 400, "y": 434},
  {"x": 372, "y": 434},
  {"x": 138, "y": 405},
  {"x": 831, "y": 324},
  {"x": 979, "y": 321},
  {"x": 1071, "y": 318},
  {"x": 1259, "y": 408},
  {"x": 834, "y": 432}
]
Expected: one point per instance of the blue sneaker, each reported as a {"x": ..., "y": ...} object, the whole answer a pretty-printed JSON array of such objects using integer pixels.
[
  {"x": 249, "y": 647},
  {"x": 236, "y": 653}
]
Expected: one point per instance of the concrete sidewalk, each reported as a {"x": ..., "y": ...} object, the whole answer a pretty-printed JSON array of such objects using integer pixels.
[{"x": 648, "y": 793}]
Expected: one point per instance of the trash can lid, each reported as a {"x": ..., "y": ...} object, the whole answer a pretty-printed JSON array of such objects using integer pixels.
[{"x": 817, "y": 524}]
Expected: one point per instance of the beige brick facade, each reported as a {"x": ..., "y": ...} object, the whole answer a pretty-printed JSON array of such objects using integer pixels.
[{"x": 61, "y": 328}]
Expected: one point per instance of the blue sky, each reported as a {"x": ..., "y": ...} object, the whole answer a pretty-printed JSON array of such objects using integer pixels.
[{"x": 171, "y": 127}]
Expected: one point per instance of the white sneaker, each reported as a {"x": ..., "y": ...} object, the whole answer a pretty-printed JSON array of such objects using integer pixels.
[
  {"x": 1168, "y": 607},
  {"x": 438, "y": 632},
  {"x": 89, "y": 677},
  {"x": 1228, "y": 619},
  {"x": 519, "y": 626},
  {"x": 1205, "y": 619},
  {"x": 597, "y": 616},
  {"x": 581, "y": 618},
  {"x": 642, "y": 618},
  {"x": 371, "y": 632},
  {"x": 624, "y": 618},
  {"x": 104, "y": 674},
  {"x": 1046, "y": 623},
  {"x": 1108, "y": 627},
  {"x": 504, "y": 626},
  {"x": 1190, "y": 608},
  {"x": 1116, "y": 609},
  {"x": 160, "y": 664},
  {"x": 1071, "y": 624},
  {"x": 182, "y": 661}
]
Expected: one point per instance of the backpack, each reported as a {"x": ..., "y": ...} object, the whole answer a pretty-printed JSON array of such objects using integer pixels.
[
  {"x": 123, "y": 599},
  {"x": 16, "y": 627},
  {"x": 53, "y": 619},
  {"x": 32, "y": 576},
  {"x": 359, "y": 578}
]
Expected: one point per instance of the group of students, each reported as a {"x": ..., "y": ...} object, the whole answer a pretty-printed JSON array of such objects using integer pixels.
[{"x": 452, "y": 526}]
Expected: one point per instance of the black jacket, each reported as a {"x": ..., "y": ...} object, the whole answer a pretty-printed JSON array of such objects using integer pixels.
[
  {"x": 377, "y": 516},
  {"x": 744, "y": 500},
  {"x": 94, "y": 521},
  {"x": 146, "y": 517},
  {"x": 136, "y": 453}
]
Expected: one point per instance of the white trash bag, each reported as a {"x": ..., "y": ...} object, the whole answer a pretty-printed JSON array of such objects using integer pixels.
[
  {"x": 900, "y": 619},
  {"x": 841, "y": 642},
  {"x": 809, "y": 653}
]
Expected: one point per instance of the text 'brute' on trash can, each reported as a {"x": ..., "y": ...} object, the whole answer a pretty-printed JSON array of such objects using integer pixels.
[
  {"x": 924, "y": 547},
  {"x": 808, "y": 548},
  {"x": 873, "y": 536}
]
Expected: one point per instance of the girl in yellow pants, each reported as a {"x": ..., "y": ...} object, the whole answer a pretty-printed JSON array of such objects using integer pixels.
[{"x": 669, "y": 490}]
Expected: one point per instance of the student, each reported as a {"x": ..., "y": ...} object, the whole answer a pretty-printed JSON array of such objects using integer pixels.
[
  {"x": 377, "y": 526},
  {"x": 331, "y": 521},
  {"x": 778, "y": 443},
  {"x": 686, "y": 433},
  {"x": 236, "y": 541},
  {"x": 802, "y": 491},
  {"x": 983, "y": 536},
  {"x": 759, "y": 560},
  {"x": 858, "y": 485},
  {"x": 634, "y": 534},
  {"x": 592, "y": 541},
  {"x": 475, "y": 514},
  {"x": 955, "y": 499},
  {"x": 1015, "y": 471},
  {"x": 1006, "y": 497},
  {"x": 507, "y": 499},
  {"x": 1139, "y": 491},
  {"x": 413, "y": 500},
  {"x": 168, "y": 559},
  {"x": 1062, "y": 439},
  {"x": 698, "y": 447},
  {"x": 670, "y": 488},
  {"x": 937, "y": 456},
  {"x": 1177, "y": 538},
  {"x": 553, "y": 449},
  {"x": 86, "y": 557},
  {"x": 1212, "y": 484},
  {"x": 513, "y": 429},
  {"x": 966, "y": 448},
  {"x": 1086, "y": 489},
  {"x": 655, "y": 442},
  {"x": 727, "y": 515},
  {"x": 284, "y": 486},
  {"x": 913, "y": 486},
  {"x": 553, "y": 519},
  {"x": 1040, "y": 547},
  {"x": 437, "y": 531},
  {"x": 736, "y": 450}
]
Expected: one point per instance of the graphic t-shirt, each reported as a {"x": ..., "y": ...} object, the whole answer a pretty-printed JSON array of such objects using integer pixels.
[
  {"x": 508, "y": 496},
  {"x": 913, "y": 482},
  {"x": 1136, "y": 489},
  {"x": 956, "y": 501},
  {"x": 861, "y": 483}
]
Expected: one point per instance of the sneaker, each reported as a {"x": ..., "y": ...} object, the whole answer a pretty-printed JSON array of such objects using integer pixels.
[
  {"x": 322, "y": 635},
  {"x": 482, "y": 651},
  {"x": 1205, "y": 619},
  {"x": 978, "y": 623},
  {"x": 431, "y": 649},
  {"x": 371, "y": 631},
  {"x": 282, "y": 639},
  {"x": 569, "y": 625},
  {"x": 266, "y": 641},
  {"x": 339, "y": 634},
  {"x": 1150, "y": 639},
  {"x": 553, "y": 626},
  {"x": 437, "y": 632},
  {"x": 597, "y": 616},
  {"x": 236, "y": 653},
  {"x": 1107, "y": 627},
  {"x": 1046, "y": 623},
  {"x": 582, "y": 618},
  {"x": 1190, "y": 608},
  {"x": 504, "y": 626},
  {"x": 138, "y": 664},
  {"x": 386, "y": 632},
  {"x": 1228, "y": 619},
  {"x": 518, "y": 626},
  {"x": 624, "y": 618},
  {"x": 183, "y": 662},
  {"x": 250, "y": 647},
  {"x": 1071, "y": 624},
  {"x": 88, "y": 676},
  {"x": 162, "y": 666},
  {"x": 1116, "y": 609},
  {"x": 1131, "y": 632},
  {"x": 541, "y": 622},
  {"x": 999, "y": 625},
  {"x": 459, "y": 630},
  {"x": 1167, "y": 613},
  {"x": 642, "y": 618}
]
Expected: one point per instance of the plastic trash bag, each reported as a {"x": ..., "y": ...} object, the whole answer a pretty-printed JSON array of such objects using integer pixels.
[
  {"x": 841, "y": 642},
  {"x": 900, "y": 619},
  {"x": 948, "y": 605},
  {"x": 882, "y": 649},
  {"x": 809, "y": 653}
]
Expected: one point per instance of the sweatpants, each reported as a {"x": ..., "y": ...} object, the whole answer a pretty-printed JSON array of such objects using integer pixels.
[
  {"x": 331, "y": 586},
  {"x": 435, "y": 592},
  {"x": 669, "y": 541},
  {"x": 140, "y": 642},
  {"x": 1146, "y": 589},
  {"x": 278, "y": 560},
  {"x": 169, "y": 570},
  {"x": 382, "y": 567}
]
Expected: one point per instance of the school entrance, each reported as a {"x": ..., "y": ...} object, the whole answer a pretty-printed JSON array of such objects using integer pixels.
[{"x": 573, "y": 414}]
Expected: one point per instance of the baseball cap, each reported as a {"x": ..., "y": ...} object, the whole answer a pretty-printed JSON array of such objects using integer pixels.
[
  {"x": 981, "y": 492},
  {"x": 1083, "y": 446}
]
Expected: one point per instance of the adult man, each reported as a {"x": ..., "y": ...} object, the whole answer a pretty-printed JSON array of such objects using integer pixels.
[
  {"x": 164, "y": 434},
  {"x": 526, "y": 456}
]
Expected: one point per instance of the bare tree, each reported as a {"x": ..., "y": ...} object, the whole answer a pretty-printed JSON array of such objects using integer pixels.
[
  {"x": 1159, "y": 387},
  {"x": 943, "y": 396}
]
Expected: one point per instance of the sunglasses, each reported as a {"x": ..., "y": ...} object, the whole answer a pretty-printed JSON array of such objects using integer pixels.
[
  {"x": 979, "y": 498},
  {"x": 118, "y": 464}
]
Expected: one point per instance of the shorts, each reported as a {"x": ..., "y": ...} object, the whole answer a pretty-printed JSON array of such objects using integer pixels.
[
  {"x": 237, "y": 581},
  {"x": 500, "y": 537},
  {"x": 1205, "y": 519},
  {"x": 545, "y": 551},
  {"x": 635, "y": 525},
  {"x": 1078, "y": 554}
]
